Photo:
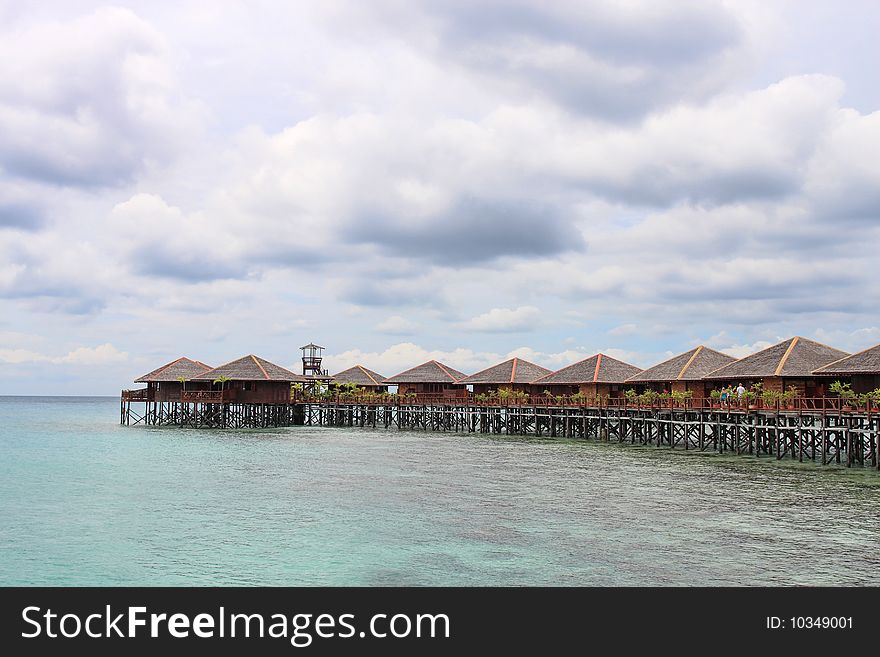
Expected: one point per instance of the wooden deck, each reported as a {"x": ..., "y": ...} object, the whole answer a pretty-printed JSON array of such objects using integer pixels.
[
  {"x": 825, "y": 436},
  {"x": 798, "y": 405},
  {"x": 820, "y": 430}
]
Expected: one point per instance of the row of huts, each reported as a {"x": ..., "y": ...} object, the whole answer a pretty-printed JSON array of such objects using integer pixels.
[
  {"x": 798, "y": 364},
  {"x": 805, "y": 366}
]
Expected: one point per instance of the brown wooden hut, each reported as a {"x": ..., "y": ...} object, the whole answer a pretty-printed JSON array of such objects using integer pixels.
[
  {"x": 362, "y": 377},
  {"x": 430, "y": 378},
  {"x": 788, "y": 365},
  {"x": 514, "y": 374},
  {"x": 862, "y": 370},
  {"x": 249, "y": 380},
  {"x": 164, "y": 383},
  {"x": 683, "y": 373},
  {"x": 593, "y": 376}
]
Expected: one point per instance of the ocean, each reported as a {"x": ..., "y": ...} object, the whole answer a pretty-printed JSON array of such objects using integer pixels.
[{"x": 84, "y": 501}]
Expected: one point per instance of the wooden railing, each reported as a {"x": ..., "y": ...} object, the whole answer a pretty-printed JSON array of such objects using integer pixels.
[
  {"x": 207, "y": 396},
  {"x": 799, "y": 404},
  {"x": 140, "y": 394},
  {"x": 811, "y": 404}
]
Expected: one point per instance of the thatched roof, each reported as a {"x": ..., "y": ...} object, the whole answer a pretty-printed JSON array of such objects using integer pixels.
[
  {"x": 430, "y": 372},
  {"x": 595, "y": 369},
  {"x": 864, "y": 362},
  {"x": 359, "y": 375},
  {"x": 185, "y": 367},
  {"x": 251, "y": 368},
  {"x": 515, "y": 370},
  {"x": 796, "y": 357},
  {"x": 692, "y": 365}
]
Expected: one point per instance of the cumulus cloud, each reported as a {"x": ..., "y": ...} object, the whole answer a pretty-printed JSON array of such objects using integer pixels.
[
  {"x": 101, "y": 355},
  {"x": 499, "y": 320},
  {"x": 842, "y": 178},
  {"x": 599, "y": 58},
  {"x": 468, "y": 232},
  {"x": 21, "y": 356},
  {"x": 559, "y": 359},
  {"x": 463, "y": 164},
  {"x": 405, "y": 355},
  {"x": 851, "y": 341},
  {"x": 624, "y": 329},
  {"x": 725, "y": 343},
  {"x": 20, "y": 206},
  {"x": 397, "y": 325},
  {"x": 89, "y": 101},
  {"x": 160, "y": 240}
]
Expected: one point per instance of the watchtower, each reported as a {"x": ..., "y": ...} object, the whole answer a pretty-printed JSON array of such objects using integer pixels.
[{"x": 312, "y": 360}]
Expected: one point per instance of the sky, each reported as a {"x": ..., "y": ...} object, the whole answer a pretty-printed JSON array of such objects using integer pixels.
[{"x": 405, "y": 180}]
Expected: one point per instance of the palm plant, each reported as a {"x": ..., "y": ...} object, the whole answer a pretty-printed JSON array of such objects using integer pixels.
[
  {"x": 770, "y": 398},
  {"x": 845, "y": 392}
]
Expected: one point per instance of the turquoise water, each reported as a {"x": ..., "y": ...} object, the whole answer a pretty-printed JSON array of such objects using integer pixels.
[{"x": 86, "y": 502}]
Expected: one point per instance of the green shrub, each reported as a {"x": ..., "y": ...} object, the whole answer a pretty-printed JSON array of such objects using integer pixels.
[{"x": 843, "y": 390}]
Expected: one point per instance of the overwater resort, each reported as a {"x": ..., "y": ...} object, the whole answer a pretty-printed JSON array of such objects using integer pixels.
[{"x": 797, "y": 399}]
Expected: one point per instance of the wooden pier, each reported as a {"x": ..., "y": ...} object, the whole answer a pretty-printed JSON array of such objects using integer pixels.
[
  {"x": 819, "y": 432},
  {"x": 847, "y": 438},
  {"x": 208, "y": 413}
]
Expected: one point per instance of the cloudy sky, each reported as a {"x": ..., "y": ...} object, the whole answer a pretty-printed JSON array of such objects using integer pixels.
[{"x": 403, "y": 180}]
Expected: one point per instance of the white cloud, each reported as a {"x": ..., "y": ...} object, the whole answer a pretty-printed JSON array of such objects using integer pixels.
[
  {"x": 405, "y": 355},
  {"x": 89, "y": 101},
  {"x": 374, "y": 163},
  {"x": 500, "y": 320},
  {"x": 727, "y": 344},
  {"x": 397, "y": 325},
  {"x": 852, "y": 341},
  {"x": 553, "y": 361},
  {"x": 21, "y": 356},
  {"x": 101, "y": 355},
  {"x": 624, "y": 329}
]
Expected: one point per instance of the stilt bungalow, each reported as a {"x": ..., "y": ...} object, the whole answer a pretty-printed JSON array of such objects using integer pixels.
[
  {"x": 861, "y": 370},
  {"x": 430, "y": 378},
  {"x": 249, "y": 392},
  {"x": 362, "y": 377},
  {"x": 783, "y": 367},
  {"x": 167, "y": 382},
  {"x": 248, "y": 380},
  {"x": 683, "y": 373},
  {"x": 513, "y": 374},
  {"x": 593, "y": 376}
]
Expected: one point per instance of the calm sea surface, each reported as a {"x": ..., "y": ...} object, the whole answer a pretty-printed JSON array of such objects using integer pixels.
[{"x": 84, "y": 501}]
